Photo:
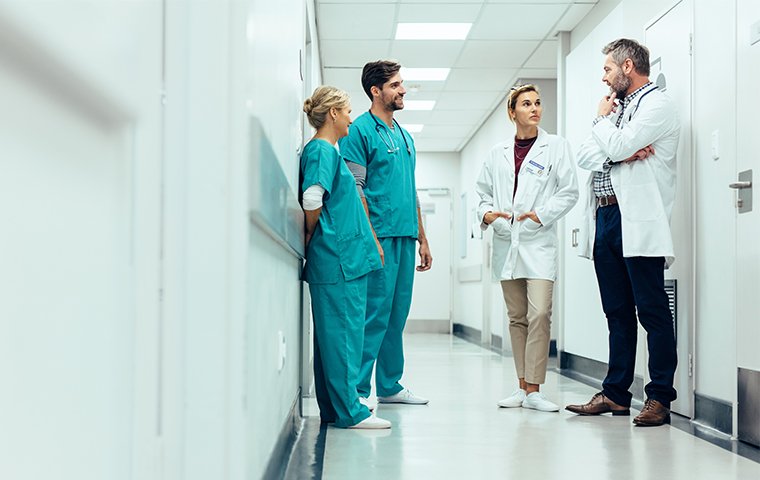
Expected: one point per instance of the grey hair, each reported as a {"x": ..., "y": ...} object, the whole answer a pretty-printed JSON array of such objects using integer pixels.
[
  {"x": 624, "y": 48},
  {"x": 321, "y": 101}
]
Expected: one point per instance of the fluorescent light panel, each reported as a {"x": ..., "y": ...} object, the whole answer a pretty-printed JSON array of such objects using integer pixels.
[
  {"x": 424, "y": 74},
  {"x": 413, "y": 127},
  {"x": 432, "y": 31},
  {"x": 419, "y": 104}
]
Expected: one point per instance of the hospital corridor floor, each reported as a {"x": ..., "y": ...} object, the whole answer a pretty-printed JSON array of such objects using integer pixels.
[{"x": 462, "y": 434}]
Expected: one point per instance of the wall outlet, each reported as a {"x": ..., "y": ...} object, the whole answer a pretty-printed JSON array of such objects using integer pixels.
[{"x": 281, "y": 350}]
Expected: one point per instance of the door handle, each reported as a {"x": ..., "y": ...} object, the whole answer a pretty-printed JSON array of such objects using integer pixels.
[
  {"x": 575, "y": 236},
  {"x": 740, "y": 185}
]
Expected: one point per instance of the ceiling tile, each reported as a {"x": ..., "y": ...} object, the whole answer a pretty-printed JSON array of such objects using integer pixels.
[
  {"x": 438, "y": 1},
  {"x": 413, "y": 116},
  {"x": 518, "y": 22},
  {"x": 354, "y": 53},
  {"x": 468, "y": 100},
  {"x": 419, "y": 53},
  {"x": 573, "y": 17},
  {"x": 348, "y": 79},
  {"x": 545, "y": 56},
  {"x": 351, "y": 21},
  {"x": 530, "y": 1},
  {"x": 444, "y": 131},
  {"x": 456, "y": 117},
  {"x": 495, "y": 53},
  {"x": 538, "y": 73},
  {"x": 432, "y": 13},
  {"x": 356, "y": 1},
  {"x": 414, "y": 87},
  {"x": 479, "y": 79}
]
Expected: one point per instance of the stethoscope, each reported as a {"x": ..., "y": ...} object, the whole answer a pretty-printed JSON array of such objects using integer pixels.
[
  {"x": 634, "y": 110},
  {"x": 388, "y": 140}
]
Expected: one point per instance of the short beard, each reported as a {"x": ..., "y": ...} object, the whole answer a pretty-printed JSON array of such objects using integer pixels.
[
  {"x": 391, "y": 106},
  {"x": 621, "y": 85}
]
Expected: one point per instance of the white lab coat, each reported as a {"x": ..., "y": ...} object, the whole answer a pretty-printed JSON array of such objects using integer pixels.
[
  {"x": 547, "y": 185},
  {"x": 645, "y": 189}
]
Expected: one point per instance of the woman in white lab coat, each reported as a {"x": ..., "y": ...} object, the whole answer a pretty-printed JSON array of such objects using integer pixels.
[{"x": 525, "y": 186}]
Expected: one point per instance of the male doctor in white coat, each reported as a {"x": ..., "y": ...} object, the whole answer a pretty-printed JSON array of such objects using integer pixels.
[{"x": 631, "y": 154}]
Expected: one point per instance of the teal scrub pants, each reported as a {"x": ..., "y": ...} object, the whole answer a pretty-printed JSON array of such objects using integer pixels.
[
  {"x": 389, "y": 297},
  {"x": 338, "y": 311}
]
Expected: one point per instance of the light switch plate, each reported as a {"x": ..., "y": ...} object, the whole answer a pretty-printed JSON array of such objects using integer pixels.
[{"x": 715, "y": 144}]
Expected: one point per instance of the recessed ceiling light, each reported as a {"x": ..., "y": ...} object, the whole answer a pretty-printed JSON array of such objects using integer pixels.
[
  {"x": 424, "y": 74},
  {"x": 413, "y": 127},
  {"x": 419, "y": 104},
  {"x": 432, "y": 31}
]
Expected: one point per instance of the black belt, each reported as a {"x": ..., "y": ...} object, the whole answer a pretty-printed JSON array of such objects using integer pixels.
[{"x": 606, "y": 201}]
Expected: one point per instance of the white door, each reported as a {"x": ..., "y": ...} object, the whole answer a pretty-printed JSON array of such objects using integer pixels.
[
  {"x": 748, "y": 223},
  {"x": 669, "y": 41},
  {"x": 432, "y": 289}
]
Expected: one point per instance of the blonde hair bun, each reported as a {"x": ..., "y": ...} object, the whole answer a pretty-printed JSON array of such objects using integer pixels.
[{"x": 318, "y": 106}]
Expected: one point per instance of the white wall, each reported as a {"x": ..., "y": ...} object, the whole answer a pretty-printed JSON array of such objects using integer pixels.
[
  {"x": 81, "y": 156},
  {"x": 438, "y": 170},
  {"x": 142, "y": 312},
  {"x": 275, "y": 94}
]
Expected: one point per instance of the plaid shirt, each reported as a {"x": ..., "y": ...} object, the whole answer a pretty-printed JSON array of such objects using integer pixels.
[{"x": 602, "y": 181}]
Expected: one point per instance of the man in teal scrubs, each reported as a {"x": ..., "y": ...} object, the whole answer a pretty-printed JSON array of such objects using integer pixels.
[{"x": 382, "y": 157}]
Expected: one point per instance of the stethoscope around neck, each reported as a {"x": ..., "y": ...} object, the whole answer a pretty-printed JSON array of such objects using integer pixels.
[{"x": 388, "y": 139}]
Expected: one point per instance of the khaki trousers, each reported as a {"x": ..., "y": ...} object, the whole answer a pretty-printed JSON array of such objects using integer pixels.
[{"x": 529, "y": 308}]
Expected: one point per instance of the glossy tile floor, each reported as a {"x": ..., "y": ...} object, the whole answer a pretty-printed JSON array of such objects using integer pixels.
[{"x": 462, "y": 434}]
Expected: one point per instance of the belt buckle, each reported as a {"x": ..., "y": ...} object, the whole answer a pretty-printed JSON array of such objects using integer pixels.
[{"x": 603, "y": 201}]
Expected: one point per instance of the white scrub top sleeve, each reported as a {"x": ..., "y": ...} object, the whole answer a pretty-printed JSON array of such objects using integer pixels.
[{"x": 312, "y": 197}]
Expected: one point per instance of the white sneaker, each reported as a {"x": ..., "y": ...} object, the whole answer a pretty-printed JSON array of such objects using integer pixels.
[
  {"x": 372, "y": 423},
  {"x": 514, "y": 400},
  {"x": 371, "y": 404},
  {"x": 538, "y": 401},
  {"x": 404, "y": 396}
]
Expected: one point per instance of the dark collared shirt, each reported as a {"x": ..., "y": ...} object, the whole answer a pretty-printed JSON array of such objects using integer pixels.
[{"x": 602, "y": 181}]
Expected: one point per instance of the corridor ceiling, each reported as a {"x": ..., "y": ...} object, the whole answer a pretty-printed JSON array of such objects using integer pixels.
[{"x": 509, "y": 40}]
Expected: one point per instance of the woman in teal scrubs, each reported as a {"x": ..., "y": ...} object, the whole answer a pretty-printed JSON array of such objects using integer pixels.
[{"x": 340, "y": 251}]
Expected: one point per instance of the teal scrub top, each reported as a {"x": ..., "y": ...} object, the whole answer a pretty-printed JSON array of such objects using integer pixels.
[
  {"x": 342, "y": 243},
  {"x": 390, "y": 187}
]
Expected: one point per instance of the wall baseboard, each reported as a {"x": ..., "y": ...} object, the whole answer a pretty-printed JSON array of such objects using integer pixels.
[
  {"x": 473, "y": 335},
  {"x": 748, "y": 401},
  {"x": 467, "y": 333},
  {"x": 714, "y": 413},
  {"x": 427, "y": 326},
  {"x": 592, "y": 372},
  {"x": 283, "y": 448}
]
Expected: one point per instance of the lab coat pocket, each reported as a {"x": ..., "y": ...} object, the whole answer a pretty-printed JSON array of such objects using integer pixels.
[
  {"x": 529, "y": 228},
  {"x": 641, "y": 203},
  {"x": 502, "y": 227}
]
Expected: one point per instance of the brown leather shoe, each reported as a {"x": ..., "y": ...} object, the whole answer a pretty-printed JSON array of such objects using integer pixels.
[
  {"x": 598, "y": 405},
  {"x": 653, "y": 414}
]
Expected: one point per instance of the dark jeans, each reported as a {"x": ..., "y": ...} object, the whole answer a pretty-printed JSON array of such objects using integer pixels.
[{"x": 628, "y": 285}]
